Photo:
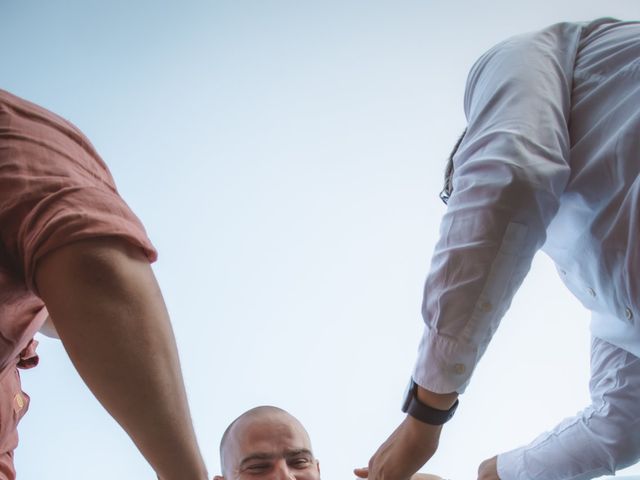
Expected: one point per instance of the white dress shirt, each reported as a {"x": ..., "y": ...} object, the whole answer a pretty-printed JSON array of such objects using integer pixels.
[
  {"x": 551, "y": 161},
  {"x": 525, "y": 180}
]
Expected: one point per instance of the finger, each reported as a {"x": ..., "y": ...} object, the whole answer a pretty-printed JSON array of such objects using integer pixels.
[{"x": 361, "y": 472}]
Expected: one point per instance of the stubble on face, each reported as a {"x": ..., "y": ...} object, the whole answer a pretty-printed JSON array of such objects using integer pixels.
[{"x": 265, "y": 440}]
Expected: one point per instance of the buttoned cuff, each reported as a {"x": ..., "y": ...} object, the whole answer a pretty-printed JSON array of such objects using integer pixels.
[{"x": 445, "y": 364}]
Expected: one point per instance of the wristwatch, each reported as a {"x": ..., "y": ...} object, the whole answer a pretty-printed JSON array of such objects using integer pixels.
[{"x": 418, "y": 410}]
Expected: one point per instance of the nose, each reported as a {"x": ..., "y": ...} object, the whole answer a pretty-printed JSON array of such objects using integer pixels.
[{"x": 283, "y": 472}]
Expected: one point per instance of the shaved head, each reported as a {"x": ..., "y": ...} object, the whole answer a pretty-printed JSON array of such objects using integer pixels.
[
  {"x": 264, "y": 441},
  {"x": 249, "y": 416}
]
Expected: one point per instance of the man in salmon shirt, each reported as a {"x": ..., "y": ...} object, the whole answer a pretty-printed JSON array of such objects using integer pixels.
[{"x": 72, "y": 250}]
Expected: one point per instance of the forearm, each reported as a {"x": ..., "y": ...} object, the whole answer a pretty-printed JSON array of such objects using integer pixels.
[
  {"x": 567, "y": 452},
  {"x": 601, "y": 439},
  {"x": 113, "y": 323},
  {"x": 138, "y": 381}
]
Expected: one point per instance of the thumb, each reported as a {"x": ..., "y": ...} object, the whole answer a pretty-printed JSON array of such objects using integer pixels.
[{"x": 361, "y": 472}]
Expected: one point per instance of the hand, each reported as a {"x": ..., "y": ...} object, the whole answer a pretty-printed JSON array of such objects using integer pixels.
[
  {"x": 415, "y": 476},
  {"x": 425, "y": 476},
  {"x": 404, "y": 452},
  {"x": 488, "y": 470}
]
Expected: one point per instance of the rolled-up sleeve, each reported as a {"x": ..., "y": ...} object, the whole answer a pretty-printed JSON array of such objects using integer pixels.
[{"x": 509, "y": 172}]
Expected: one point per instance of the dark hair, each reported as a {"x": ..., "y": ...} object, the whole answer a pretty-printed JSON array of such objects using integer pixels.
[{"x": 448, "y": 171}]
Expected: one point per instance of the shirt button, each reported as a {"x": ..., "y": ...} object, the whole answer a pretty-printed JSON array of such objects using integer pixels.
[
  {"x": 459, "y": 368},
  {"x": 486, "y": 307},
  {"x": 591, "y": 291},
  {"x": 19, "y": 402},
  {"x": 628, "y": 313},
  {"x": 563, "y": 272}
]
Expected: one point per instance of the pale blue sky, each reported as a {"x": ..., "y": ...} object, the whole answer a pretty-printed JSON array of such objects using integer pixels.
[{"x": 285, "y": 157}]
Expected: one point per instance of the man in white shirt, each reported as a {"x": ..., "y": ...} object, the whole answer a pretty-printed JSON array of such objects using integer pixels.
[{"x": 549, "y": 160}]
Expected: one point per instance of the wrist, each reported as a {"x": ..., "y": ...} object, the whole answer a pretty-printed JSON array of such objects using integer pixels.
[
  {"x": 438, "y": 411},
  {"x": 441, "y": 401}
]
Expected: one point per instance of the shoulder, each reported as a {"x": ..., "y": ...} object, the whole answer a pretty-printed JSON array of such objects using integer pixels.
[{"x": 532, "y": 62}]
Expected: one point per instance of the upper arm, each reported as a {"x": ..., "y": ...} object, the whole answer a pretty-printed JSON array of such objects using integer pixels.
[
  {"x": 517, "y": 102},
  {"x": 509, "y": 173}
]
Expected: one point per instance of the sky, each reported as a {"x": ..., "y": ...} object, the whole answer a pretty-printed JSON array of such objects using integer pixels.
[{"x": 286, "y": 158}]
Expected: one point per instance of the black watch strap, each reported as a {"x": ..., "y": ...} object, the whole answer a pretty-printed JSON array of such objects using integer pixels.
[{"x": 418, "y": 410}]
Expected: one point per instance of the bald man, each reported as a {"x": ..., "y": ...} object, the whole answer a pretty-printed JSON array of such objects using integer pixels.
[{"x": 269, "y": 443}]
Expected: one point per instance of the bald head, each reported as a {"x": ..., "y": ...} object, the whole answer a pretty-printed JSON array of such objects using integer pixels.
[
  {"x": 266, "y": 442},
  {"x": 252, "y": 413}
]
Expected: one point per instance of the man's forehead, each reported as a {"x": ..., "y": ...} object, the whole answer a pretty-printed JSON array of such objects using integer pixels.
[
  {"x": 273, "y": 433},
  {"x": 269, "y": 427}
]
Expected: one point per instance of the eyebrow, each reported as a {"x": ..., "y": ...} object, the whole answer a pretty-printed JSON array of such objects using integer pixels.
[
  {"x": 268, "y": 456},
  {"x": 298, "y": 452}
]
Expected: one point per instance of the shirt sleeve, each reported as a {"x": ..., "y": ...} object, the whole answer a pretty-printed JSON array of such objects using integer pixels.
[
  {"x": 509, "y": 171},
  {"x": 599, "y": 440}
]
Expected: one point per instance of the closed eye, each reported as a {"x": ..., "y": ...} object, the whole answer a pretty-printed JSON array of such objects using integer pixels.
[
  {"x": 257, "y": 467},
  {"x": 300, "y": 462}
]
